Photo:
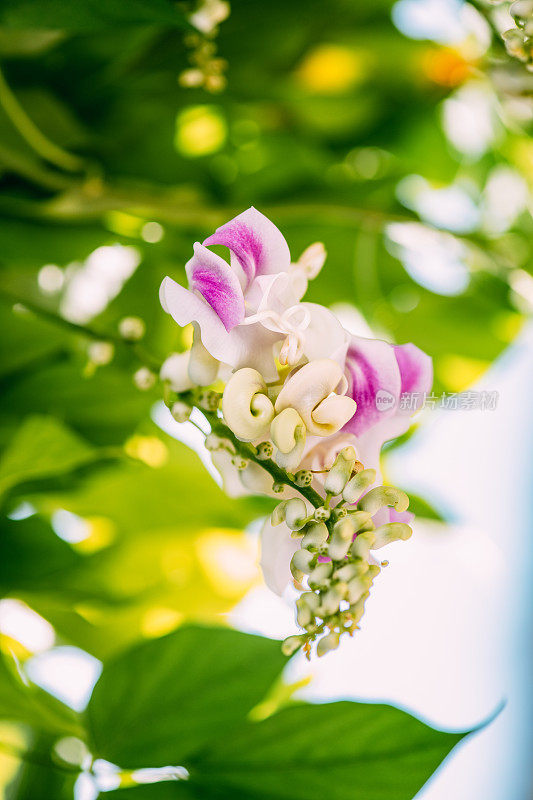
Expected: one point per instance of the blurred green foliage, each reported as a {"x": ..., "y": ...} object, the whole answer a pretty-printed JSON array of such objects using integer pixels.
[{"x": 332, "y": 123}]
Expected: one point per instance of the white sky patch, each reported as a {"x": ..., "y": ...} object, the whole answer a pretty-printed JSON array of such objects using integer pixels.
[
  {"x": 470, "y": 120},
  {"x": 443, "y": 21},
  {"x": 434, "y": 259},
  {"x": 450, "y": 207},
  {"x": 20, "y": 622},
  {"x": 66, "y": 672},
  {"x": 92, "y": 285}
]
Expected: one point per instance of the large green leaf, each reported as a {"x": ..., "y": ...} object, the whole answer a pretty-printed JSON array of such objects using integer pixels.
[
  {"x": 42, "y": 448},
  {"x": 175, "y": 692},
  {"x": 89, "y": 15},
  {"x": 346, "y": 751}
]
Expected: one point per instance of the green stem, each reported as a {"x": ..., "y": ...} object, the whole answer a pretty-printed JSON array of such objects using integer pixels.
[
  {"x": 248, "y": 452},
  {"x": 30, "y": 132}
]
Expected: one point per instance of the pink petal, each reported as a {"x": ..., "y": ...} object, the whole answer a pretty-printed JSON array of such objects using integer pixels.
[
  {"x": 373, "y": 381},
  {"x": 218, "y": 284},
  {"x": 416, "y": 371},
  {"x": 258, "y": 246},
  {"x": 243, "y": 346}
]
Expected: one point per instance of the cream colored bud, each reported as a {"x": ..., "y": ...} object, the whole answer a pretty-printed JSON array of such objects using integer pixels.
[
  {"x": 291, "y": 644},
  {"x": 175, "y": 370},
  {"x": 181, "y": 411},
  {"x": 301, "y": 562},
  {"x": 357, "y": 485},
  {"x": 331, "y": 600},
  {"x": 304, "y": 615},
  {"x": 338, "y": 545},
  {"x": 362, "y": 545},
  {"x": 384, "y": 496},
  {"x": 311, "y": 600},
  {"x": 327, "y": 643},
  {"x": 316, "y": 535},
  {"x": 391, "y": 532},
  {"x": 309, "y": 391},
  {"x": 245, "y": 405},
  {"x": 321, "y": 573},
  {"x": 203, "y": 368},
  {"x": 132, "y": 328},
  {"x": 278, "y": 514},
  {"x": 340, "y": 472},
  {"x": 295, "y": 514},
  {"x": 144, "y": 379},
  {"x": 312, "y": 260},
  {"x": 346, "y": 573},
  {"x": 288, "y": 434},
  {"x": 101, "y": 353}
]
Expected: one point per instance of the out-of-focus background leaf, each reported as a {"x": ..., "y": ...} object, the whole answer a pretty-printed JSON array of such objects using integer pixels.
[{"x": 408, "y": 153}]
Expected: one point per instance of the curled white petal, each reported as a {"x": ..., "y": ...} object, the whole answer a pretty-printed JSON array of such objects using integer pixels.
[
  {"x": 175, "y": 370},
  {"x": 288, "y": 434},
  {"x": 245, "y": 405},
  {"x": 277, "y": 549},
  {"x": 309, "y": 391},
  {"x": 312, "y": 260}
]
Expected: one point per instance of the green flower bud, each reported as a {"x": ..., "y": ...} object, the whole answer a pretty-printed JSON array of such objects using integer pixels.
[
  {"x": 327, "y": 643},
  {"x": 357, "y": 485},
  {"x": 338, "y": 547},
  {"x": 316, "y": 535},
  {"x": 384, "y": 496},
  {"x": 301, "y": 562},
  {"x": 346, "y": 573},
  {"x": 180, "y": 411},
  {"x": 321, "y": 573},
  {"x": 207, "y": 399},
  {"x": 304, "y": 477},
  {"x": 293, "y": 643},
  {"x": 322, "y": 514},
  {"x": 357, "y": 588},
  {"x": 265, "y": 451},
  {"x": 362, "y": 544},
  {"x": 331, "y": 600},
  {"x": 340, "y": 472},
  {"x": 357, "y": 609},
  {"x": 311, "y": 600},
  {"x": 391, "y": 532},
  {"x": 304, "y": 617},
  {"x": 339, "y": 513},
  {"x": 278, "y": 487},
  {"x": 295, "y": 514}
]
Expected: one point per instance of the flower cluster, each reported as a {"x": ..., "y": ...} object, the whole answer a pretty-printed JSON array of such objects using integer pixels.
[{"x": 304, "y": 412}]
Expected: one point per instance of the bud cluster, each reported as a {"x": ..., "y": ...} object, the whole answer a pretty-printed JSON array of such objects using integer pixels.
[
  {"x": 519, "y": 41},
  {"x": 334, "y": 565}
]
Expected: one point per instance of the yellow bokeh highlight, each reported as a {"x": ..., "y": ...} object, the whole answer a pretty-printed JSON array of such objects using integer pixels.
[
  {"x": 229, "y": 560},
  {"x": 331, "y": 69},
  {"x": 149, "y": 449},
  {"x": 458, "y": 373},
  {"x": 445, "y": 67},
  {"x": 159, "y": 621},
  {"x": 507, "y": 325},
  {"x": 101, "y": 533},
  {"x": 124, "y": 224},
  {"x": 200, "y": 131}
]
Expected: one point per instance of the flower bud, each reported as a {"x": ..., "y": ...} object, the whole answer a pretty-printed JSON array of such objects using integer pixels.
[
  {"x": 291, "y": 644},
  {"x": 180, "y": 411},
  {"x": 357, "y": 485},
  {"x": 277, "y": 487},
  {"x": 384, "y": 496},
  {"x": 362, "y": 544},
  {"x": 101, "y": 353},
  {"x": 301, "y": 562},
  {"x": 321, "y": 573},
  {"x": 304, "y": 616},
  {"x": 304, "y": 477},
  {"x": 322, "y": 514},
  {"x": 295, "y": 514},
  {"x": 391, "y": 532},
  {"x": 340, "y": 472},
  {"x": 239, "y": 462},
  {"x": 331, "y": 600},
  {"x": 132, "y": 329},
  {"x": 346, "y": 573},
  {"x": 175, "y": 370},
  {"x": 278, "y": 514},
  {"x": 311, "y": 600},
  {"x": 245, "y": 405},
  {"x": 339, "y": 544},
  {"x": 358, "y": 586},
  {"x": 264, "y": 451},
  {"x": 327, "y": 643},
  {"x": 203, "y": 368},
  {"x": 144, "y": 379},
  {"x": 315, "y": 536},
  {"x": 312, "y": 260},
  {"x": 214, "y": 442}
]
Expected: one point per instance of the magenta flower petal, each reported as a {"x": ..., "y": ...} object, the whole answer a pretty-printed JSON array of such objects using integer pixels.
[
  {"x": 255, "y": 242},
  {"x": 416, "y": 370},
  {"x": 374, "y": 382},
  {"x": 215, "y": 280}
]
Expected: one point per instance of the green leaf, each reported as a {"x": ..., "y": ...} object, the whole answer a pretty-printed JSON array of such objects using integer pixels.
[
  {"x": 42, "y": 448},
  {"x": 89, "y": 15},
  {"x": 177, "y": 692},
  {"x": 21, "y": 701},
  {"x": 345, "y": 751}
]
